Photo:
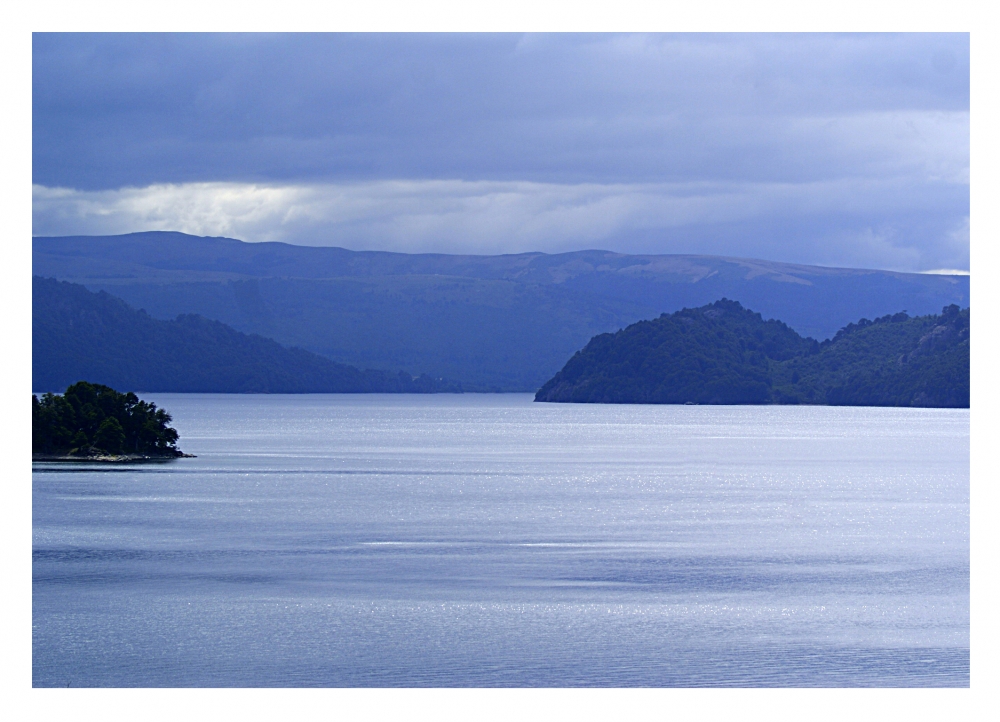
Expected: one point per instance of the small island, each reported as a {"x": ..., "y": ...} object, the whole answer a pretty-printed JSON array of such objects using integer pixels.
[{"x": 91, "y": 422}]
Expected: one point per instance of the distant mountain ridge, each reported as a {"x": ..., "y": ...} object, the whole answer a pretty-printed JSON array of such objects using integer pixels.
[
  {"x": 503, "y": 323},
  {"x": 723, "y": 353},
  {"x": 80, "y": 335}
]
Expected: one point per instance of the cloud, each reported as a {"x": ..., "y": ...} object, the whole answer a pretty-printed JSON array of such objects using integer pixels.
[
  {"x": 115, "y": 110},
  {"x": 841, "y": 149},
  {"x": 874, "y": 223}
]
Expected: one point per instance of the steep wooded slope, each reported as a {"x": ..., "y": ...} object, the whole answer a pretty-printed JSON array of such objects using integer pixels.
[
  {"x": 723, "y": 353},
  {"x": 79, "y": 335}
]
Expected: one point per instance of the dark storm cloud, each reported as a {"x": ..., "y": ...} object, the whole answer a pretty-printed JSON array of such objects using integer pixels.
[
  {"x": 845, "y": 147},
  {"x": 115, "y": 110}
]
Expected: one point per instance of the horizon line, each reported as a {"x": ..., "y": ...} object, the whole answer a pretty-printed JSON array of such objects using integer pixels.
[{"x": 933, "y": 272}]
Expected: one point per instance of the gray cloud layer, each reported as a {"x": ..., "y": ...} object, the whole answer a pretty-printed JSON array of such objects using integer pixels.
[{"x": 845, "y": 149}]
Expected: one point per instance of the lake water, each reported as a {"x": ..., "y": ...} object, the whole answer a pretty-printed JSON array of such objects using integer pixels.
[{"x": 485, "y": 540}]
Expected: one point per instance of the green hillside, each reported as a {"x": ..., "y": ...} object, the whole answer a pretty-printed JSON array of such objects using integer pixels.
[
  {"x": 501, "y": 323},
  {"x": 77, "y": 334},
  {"x": 891, "y": 361},
  {"x": 723, "y": 353}
]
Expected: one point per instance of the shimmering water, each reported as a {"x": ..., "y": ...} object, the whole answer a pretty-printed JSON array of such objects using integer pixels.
[{"x": 487, "y": 540}]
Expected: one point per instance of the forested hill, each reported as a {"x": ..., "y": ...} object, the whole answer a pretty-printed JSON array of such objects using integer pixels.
[
  {"x": 723, "y": 353},
  {"x": 78, "y": 335},
  {"x": 502, "y": 323}
]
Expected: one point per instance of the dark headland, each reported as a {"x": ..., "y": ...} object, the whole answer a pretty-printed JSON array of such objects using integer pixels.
[{"x": 723, "y": 353}]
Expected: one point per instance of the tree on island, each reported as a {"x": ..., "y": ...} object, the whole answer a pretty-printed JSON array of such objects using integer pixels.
[{"x": 91, "y": 418}]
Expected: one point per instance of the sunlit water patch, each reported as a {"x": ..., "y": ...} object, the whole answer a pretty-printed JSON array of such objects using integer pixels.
[{"x": 484, "y": 540}]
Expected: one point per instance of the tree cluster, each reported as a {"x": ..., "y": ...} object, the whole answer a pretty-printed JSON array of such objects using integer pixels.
[
  {"x": 725, "y": 354},
  {"x": 90, "y": 418}
]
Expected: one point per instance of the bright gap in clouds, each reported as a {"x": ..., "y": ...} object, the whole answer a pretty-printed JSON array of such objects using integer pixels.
[
  {"x": 832, "y": 149},
  {"x": 892, "y": 223}
]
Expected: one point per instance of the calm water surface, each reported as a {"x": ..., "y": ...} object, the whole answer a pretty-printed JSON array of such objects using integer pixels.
[{"x": 485, "y": 540}]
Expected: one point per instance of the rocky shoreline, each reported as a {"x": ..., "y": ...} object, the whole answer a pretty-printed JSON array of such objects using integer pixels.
[{"x": 110, "y": 458}]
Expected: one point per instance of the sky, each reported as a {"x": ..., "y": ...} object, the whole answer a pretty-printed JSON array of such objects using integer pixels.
[{"x": 830, "y": 149}]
